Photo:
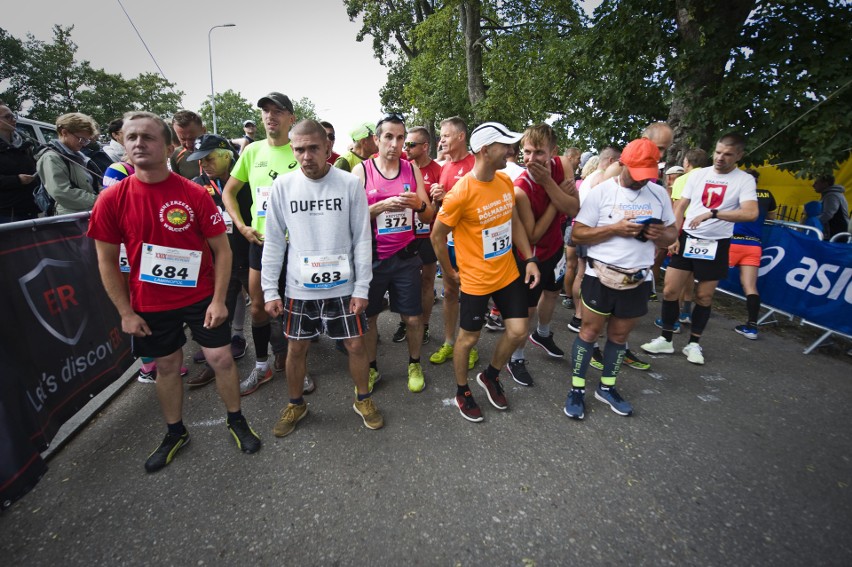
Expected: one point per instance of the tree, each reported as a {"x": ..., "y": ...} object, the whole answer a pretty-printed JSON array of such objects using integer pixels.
[
  {"x": 304, "y": 109},
  {"x": 12, "y": 69},
  {"x": 232, "y": 109}
]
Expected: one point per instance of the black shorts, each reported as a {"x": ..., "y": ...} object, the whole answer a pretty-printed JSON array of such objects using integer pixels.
[
  {"x": 510, "y": 300},
  {"x": 621, "y": 303},
  {"x": 427, "y": 253},
  {"x": 167, "y": 333},
  {"x": 401, "y": 278},
  {"x": 704, "y": 270},
  {"x": 306, "y": 318},
  {"x": 548, "y": 277}
]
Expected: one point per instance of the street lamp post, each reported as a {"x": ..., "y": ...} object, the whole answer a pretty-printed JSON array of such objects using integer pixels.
[{"x": 210, "y": 52}]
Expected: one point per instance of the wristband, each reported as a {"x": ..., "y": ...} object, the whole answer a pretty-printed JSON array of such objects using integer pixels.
[
  {"x": 423, "y": 208},
  {"x": 531, "y": 259}
]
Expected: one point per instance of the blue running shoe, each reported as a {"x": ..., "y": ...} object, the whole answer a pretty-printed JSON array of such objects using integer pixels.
[
  {"x": 659, "y": 323},
  {"x": 575, "y": 405},
  {"x": 747, "y": 331},
  {"x": 615, "y": 402}
]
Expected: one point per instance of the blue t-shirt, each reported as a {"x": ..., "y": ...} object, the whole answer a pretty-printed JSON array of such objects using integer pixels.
[{"x": 751, "y": 233}]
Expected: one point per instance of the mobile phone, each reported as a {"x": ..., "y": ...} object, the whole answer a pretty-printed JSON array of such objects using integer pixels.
[{"x": 647, "y": 220}]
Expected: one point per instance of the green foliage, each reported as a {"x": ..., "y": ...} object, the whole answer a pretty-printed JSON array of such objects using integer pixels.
[
  {"x": 232, "y": 109},
  {"x": 304, "y": 109},
  {"x": 46, "y": 80}
]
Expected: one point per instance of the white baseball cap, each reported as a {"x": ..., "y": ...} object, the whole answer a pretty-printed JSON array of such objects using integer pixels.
[{"x": 490, "y": 133}]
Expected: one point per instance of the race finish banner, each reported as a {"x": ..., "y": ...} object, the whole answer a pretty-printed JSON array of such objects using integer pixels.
[
  {"x": 60, "y": 345},
  {"x": 805, "y": 277}
]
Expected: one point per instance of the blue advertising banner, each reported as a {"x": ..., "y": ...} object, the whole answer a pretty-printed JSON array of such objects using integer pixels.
[
  {"x": 61, "y": 343},
  {"x": 805, "y": 277}
]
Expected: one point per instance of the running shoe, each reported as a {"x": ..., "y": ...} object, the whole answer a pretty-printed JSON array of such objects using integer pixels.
[
  {"x": 494, "y": 391},
  {"x": 203, "y": 378},
  {"x": 167, "y": 450},
  {"x": 609, "y": 395},
  {"x": 247, "y": 440},
  {"x": 292, "y": 414},
  {"x": 568, "y": 303},
  {"x": 373, "y": 379},
  {"x": 575, "y": 324},
  {"x": 426, "y": 337},
  {"x": 653, "y": 296},
  {"x": 597, "y": 359},
  {"x": 634, "y": 361},
  {"x": 494, "y": 322},
  {"x": 198, "y": 357},
  {"x": 685, "y": 318},
  {"x": 472, "y": 358},
  {"x": 748, "y": 331},
  {"x": 368, "y": 411},
  {"x": 442, "y": 355},
  {"x": 147, "y": 377},
  {"x": 519, "y": 373},
  {"x": 575, "y": 404},
  {"x": 309, "y": 385},
  {"x": 468, "y": 408},
  {"x": 659, "y": 323},
  {"x": 254, "y": 380},
  {"x": 238, "y": 347},
  {"x": 693, "y": 353},
  {"x": 399, "y": 335},
  {"x": 547, "y": 343},
  {"x": 659, "y": 346},
  {"x": 416, "y": 381}
]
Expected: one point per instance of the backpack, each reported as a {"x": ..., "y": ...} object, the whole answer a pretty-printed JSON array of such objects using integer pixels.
[{"x": 43, "y": 200}]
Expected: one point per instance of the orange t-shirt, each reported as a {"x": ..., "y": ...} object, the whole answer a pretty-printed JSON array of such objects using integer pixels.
[{"x": 480, "y": 214}]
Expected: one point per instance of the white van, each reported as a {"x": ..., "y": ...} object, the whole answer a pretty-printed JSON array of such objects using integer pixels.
[{"x": 39, "y": 132}]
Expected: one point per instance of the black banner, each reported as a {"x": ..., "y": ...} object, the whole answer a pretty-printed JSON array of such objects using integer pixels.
[{"x": 61, "y": 341}]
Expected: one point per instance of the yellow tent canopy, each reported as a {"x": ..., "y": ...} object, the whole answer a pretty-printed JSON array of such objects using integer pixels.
[{"x": 791, "y": 193}]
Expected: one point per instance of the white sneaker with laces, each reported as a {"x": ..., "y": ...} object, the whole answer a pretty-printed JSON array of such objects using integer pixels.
[
  {"x": 659, "y": 346},
  {"x": 693, "y": 353}
]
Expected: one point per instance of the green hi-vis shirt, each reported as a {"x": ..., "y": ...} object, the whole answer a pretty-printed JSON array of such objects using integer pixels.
[{"x": 258, "y": 165}]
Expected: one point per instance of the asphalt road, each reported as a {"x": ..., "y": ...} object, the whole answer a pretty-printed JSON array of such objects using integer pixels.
[{"x": 744, "y": 461}]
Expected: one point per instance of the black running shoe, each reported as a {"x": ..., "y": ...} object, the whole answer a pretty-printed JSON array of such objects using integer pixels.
[
  {"x": 547, "y": 343},
  {"x": 575, "y": 324},
  {"x": 519, "y": 373},
  {"x": 247, "y": 440},
  {"x": 399, "y": 335},
  {"x": 166, "y": 451}
]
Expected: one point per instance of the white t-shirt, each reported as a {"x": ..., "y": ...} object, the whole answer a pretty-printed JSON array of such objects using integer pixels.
[
  {"x": 607, "y": 203},
  {"x": 513, "y": 170},
  {"x": 707, "y": 189}
]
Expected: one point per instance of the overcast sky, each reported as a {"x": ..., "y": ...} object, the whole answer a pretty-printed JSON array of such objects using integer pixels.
[{"x": 300, "y": 48}]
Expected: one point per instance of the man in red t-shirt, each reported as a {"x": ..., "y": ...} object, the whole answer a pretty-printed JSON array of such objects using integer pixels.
[
  {"x": 543, "y": 194},
  {"x": 459, "y": 163},
  {"x": 170, "y": 227}
]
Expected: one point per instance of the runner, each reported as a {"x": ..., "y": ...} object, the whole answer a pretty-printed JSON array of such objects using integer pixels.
[
  {"x": 170, "y": 227},
  {"x": 480, "y": 211}
]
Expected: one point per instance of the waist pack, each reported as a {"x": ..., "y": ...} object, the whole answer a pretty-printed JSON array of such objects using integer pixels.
[
  {"x": 618, "y": 278},
  {"x": 411, "y": 250}
]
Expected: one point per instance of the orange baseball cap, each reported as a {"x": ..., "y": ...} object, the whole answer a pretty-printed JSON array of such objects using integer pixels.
[{"x": 641, "y": 158}]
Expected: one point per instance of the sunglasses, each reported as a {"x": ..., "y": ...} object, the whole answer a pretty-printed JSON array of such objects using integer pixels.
[
  {"x": 391, "y": 117},
  {"x": 410, "y": 145}
]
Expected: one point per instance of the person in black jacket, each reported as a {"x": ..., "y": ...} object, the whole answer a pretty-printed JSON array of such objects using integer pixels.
[{"x": 17, "y": 171}]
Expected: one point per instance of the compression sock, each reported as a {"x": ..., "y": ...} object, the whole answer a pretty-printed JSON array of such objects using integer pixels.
[
  {"x": 613, "y": 355},
  {"x": 700, "y": 317},
  {"x": 753, "y": 308},
  {"x": 669, "y": 313},
  {"x": 260, "y": 335},
  {"x": 581, "y": 355}
]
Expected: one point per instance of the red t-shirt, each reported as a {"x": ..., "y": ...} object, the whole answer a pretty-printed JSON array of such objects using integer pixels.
[
  {"x": 431, "y": 174},
  {"x": 452, "y": 171},
  {"x": 173, "y": 220},
  {"x": 551, "y": 242}
]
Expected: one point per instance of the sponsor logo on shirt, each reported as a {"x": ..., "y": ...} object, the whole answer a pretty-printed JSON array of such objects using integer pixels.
[{"x": 176, "y": 216}]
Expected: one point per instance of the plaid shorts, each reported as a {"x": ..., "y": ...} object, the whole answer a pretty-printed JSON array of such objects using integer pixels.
[{"x": 307, "y": 318}]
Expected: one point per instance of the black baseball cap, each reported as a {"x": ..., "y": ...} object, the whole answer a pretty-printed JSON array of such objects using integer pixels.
[
  {"x": 206, "y": 143},
  {"x": 282, "y": 101}
]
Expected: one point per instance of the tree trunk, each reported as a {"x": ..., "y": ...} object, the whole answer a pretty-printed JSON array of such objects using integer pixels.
[
  {"x": 470, "y": 21},
  {"x": 702, "y": 68}
]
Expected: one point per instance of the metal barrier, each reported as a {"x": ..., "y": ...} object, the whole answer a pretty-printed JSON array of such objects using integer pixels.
[{"x": 796, "y": 226}]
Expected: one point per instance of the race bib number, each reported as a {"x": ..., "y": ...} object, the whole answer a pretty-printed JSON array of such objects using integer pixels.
[
  {"x": 229, "y": 224},
  {"x": 699, "y": 249},
  {"x": 420, "y": 227},
  {"x": 123, "y": 261},
  {"x": 559, "y": 270},
  {"x": 497, "y": 240},
  {"x": 324, "y": 272},
  {"x": 162, "y": 265},
  {"x": 262, "y": 198},
  {"x": 394, "y": 222}
]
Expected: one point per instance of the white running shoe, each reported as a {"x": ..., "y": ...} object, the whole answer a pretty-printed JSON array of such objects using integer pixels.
[
  {"x": 693, "y": 353},
  {"x": 659, "y": 346}
]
